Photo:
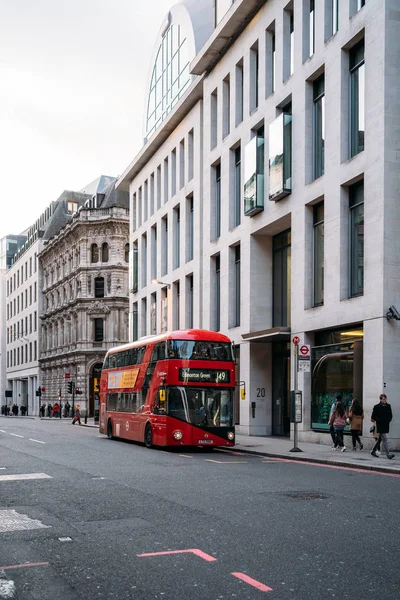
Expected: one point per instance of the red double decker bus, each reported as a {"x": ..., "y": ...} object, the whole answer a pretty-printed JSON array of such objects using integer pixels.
[{"x": 175, "y": 389}]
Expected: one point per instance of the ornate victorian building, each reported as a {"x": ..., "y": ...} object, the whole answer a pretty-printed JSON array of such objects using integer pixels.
[{"x": 84, "y": 270}]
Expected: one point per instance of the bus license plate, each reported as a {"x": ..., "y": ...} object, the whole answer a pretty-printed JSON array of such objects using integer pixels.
[{"x": 205, "y": 441}]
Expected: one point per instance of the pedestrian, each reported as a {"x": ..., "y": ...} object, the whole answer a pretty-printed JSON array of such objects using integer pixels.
[
  {"x": 338, "y": 420},
  {"x": 49, "y": 410},
  {"x": 67, "y": 408},
  {"x": 77, "y": 417},
  {"x": 56, "y": 408},
  {"x": 42, "y": 411},
  {"x": 356, "y": 417},
  {"x": 331, "y": 427},
  {"x": 382, "y": 415}
]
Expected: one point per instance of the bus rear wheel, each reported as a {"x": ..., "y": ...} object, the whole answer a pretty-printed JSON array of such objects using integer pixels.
[
  {"x": 109, "y": 430},
  {"x": 148, "y": 436}
]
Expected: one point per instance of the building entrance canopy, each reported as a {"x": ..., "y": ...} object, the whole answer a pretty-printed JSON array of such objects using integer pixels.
[{"x": 266, "y": 336}]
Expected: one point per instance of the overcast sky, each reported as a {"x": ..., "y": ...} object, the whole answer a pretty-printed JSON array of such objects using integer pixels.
[{"x": 73, "y": 78}]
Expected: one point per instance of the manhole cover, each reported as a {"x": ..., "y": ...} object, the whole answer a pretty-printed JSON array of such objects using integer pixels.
[{"x": 306, "y": 495}]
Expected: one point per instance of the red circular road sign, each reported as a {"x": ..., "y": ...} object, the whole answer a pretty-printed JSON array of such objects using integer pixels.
[
  {"x": 304, "y": 350},
  {"x": 43, "y": 389},
  {"x": 296, "y": 340}
]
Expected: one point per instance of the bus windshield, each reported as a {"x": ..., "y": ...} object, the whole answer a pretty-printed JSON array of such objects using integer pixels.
[
  {"x": 200, "y": 350},
  {"x": 204, "y": 407}
]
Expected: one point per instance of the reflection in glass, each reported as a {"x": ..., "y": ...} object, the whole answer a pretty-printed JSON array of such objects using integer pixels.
[
  {"x": 237, "y": 186},
  {"x": 318, "y": 251},
  {"x": 281, "y": 277},
  {"x": 356, "y": 205},
  {"x": 254, "y": 175},
  {"x": 335, "y": 368},
  {"x": 319, "y": 127},
  {"x": 280, "y": 157},
  {"x": 204, "y": 407},
  {"x": 170, "y": 77},
  {"x": 312, "y": 28},
  {"x": 357, "y": 98},
  {"x": 192, "y": 350}
]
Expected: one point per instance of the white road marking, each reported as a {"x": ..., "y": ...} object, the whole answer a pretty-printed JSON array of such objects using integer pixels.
[
  {"x": 7, "y": 587},
  {"x": 38, "y": 441},
  {"x": 3, "y": 468},
  {"x": 23, "y": 476},
  {"x": 2, "y": 431},
  {"x": 11, "y": 520},
  {"x": 16, "y": 435}
]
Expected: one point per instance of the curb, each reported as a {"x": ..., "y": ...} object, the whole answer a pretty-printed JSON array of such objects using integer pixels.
[{"x": 325, "y": 461}]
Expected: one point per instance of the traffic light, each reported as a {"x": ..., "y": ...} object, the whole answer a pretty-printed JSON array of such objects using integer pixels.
[
  {"x": 39, "y": 392},
  {"x": 78, "y": 391},
  {"x": 59, "y": 393},
  {"x": 70, "y": 387}
]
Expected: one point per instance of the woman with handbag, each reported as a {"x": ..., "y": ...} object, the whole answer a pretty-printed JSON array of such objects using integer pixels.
[
  {"x": 356, "y": 417},
  {"x": 338, "y": 420}
]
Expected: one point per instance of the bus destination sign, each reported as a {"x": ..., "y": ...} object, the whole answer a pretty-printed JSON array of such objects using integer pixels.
[{"x": 204, "y": 375}]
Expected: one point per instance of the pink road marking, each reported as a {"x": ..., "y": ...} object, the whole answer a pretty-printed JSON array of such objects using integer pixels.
[
  {"x": 195, "y": 551},
  {"x": 257, "y": 584},
  {"x": 313, "y": 464},
  {"x": 38, "y": 564}
]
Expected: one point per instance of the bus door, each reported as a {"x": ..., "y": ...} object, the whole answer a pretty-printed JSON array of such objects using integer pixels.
[{"x": 159, "y": 416}]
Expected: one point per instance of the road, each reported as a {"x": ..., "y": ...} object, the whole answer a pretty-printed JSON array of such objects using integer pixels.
[{"x": 100, "y": 518}]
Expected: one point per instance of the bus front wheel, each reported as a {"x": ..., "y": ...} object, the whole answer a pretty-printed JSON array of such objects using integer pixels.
[
  {"x": 148, "y": 436},
  {"x": 109, "y": 430}
]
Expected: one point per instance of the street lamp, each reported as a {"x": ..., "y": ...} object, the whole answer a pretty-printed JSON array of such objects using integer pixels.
[{"x": 168, "y": 298}]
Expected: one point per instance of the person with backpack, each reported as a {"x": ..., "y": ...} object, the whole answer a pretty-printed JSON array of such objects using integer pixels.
[
  {"x": 356, "y": 417},
  {"x": 338, "y": 420}
]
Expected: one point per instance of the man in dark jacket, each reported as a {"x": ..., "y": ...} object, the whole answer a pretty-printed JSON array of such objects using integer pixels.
[{"x": 382, "y": 415}]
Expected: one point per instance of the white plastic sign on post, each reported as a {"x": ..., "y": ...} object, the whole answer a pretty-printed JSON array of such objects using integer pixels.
[{"x": 304, "y": 364}]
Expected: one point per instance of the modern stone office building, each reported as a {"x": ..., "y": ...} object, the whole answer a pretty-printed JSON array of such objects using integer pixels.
[
  {"x": 265, "y": 199},
  {"x": 9, "y": 246}
]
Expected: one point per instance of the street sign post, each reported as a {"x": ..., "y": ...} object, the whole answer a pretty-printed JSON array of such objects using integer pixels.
[{"x": 295, "y": 394}]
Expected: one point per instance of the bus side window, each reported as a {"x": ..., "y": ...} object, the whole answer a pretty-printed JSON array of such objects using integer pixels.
[
  {"x": 106, "y": 362},
  {"x": 113, "y": 361},
  {"x": 120, "y": 359},
  {"x": 140, "y": 355},
  {"x": 154, "y": 354}
]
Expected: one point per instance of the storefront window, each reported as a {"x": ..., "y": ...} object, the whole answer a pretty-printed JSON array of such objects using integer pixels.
[{"x": 336, "y": 368}]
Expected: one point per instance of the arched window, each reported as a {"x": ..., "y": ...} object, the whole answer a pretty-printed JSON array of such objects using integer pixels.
[
  {"x": 170, "y": 76},
  {"x": 126, "y": 248},
  {"x": 94, "y": 253},
  {"x": 104, "y": 252}
]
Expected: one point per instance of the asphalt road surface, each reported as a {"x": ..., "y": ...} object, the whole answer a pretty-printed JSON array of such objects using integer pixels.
[{"x": 84, "y": 517}]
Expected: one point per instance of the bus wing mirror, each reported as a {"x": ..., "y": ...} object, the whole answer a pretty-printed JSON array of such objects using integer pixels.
[{"x": 162, "y": 396}]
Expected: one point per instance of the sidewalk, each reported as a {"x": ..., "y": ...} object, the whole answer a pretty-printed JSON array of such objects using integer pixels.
[
  {"x": 279, "y": 447},
  {"x": 316, "y": 453}
]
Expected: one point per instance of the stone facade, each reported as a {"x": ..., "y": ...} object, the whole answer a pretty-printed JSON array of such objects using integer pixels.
[
  {"x": 84, "y": 271},
  {"x": 253, "y": 277}
]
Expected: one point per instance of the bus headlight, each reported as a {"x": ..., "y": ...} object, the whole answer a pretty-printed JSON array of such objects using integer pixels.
[
  {"x": 230, "y": 435},
  {"x": 177, "y": 435}
]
